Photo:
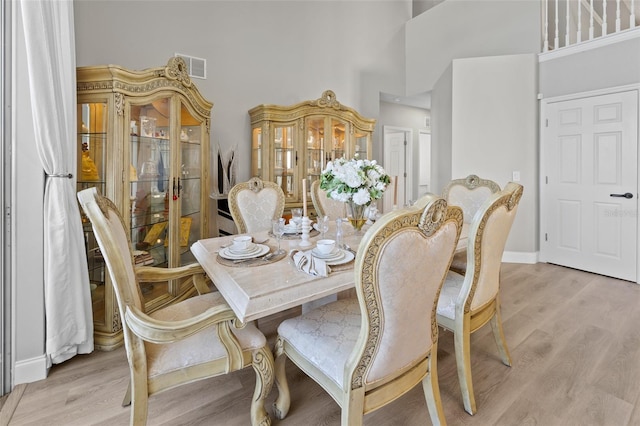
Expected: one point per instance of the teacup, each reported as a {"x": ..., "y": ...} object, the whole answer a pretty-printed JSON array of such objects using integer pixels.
[
  {"x": 325, "y": 246},
  {"x": 242, "y": 242}
]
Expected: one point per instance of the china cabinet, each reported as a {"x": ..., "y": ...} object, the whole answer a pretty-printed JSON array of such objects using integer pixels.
[
  {"x": 143, "y": 141},
  {"x": 292, "y": 143}
]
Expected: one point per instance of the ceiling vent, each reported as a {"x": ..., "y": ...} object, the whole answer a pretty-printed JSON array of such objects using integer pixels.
[{"x": 197, "y": 66}]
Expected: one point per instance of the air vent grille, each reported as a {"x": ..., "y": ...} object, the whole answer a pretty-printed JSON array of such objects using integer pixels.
[{"x": 197, "y": 66}]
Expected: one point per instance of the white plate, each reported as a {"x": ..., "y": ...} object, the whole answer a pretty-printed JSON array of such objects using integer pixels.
[
  {"x": 335, "y": 254},
  {"x": 262, "y": 249},
  {"x": 292, "y": 229},
  {"x": 252, "y": 249},
  {"x": 348, "y": 257}
]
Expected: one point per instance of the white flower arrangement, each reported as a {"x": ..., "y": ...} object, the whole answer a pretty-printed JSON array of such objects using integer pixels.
[{"x": 360, "y": 181}]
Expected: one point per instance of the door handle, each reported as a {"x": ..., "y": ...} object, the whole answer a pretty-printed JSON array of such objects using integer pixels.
[{"x": 625, "y": 195}]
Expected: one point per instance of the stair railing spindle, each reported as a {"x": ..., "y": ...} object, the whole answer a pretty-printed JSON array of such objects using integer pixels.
[
  {"x": 604, "y": 18},
  {"x": 591, "y": 20},
  {"x": 556, "y": 39}
]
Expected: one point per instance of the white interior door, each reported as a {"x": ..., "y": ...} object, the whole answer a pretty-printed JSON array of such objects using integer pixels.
[
  {"x": 397, "y": 164},
  {"x": 590, "y": 184},
  {"x": 424, "y": 182}
]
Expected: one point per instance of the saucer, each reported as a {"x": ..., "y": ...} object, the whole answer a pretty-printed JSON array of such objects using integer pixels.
[
  {"x": 249, "y": 250},
  {"x": 340, "y": 259},
  {"x": 260, "y": 250},
  {"x": 336, "y": 253}
]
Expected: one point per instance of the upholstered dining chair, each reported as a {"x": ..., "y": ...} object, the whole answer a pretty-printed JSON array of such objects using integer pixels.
[
  {"x": 468, "y": 194},
  {"x": 197, "y": 338},
  {"x": 369, "y": 350},
  {"x": 468, "y": 302},
  {"x": 324, "y": 205},
  {"x": 253, "y": 204}
]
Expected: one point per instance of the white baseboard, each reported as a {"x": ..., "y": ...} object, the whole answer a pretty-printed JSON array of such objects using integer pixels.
[
  {"x": 520, "y": 257},
  {"x": 30, "y": 370}
]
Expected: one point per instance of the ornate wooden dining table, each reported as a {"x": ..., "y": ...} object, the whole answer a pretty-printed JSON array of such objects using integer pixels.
[{"x": 256, "y": 289}]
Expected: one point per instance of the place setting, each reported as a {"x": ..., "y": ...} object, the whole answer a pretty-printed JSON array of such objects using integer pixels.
[
  {"x": 243, "y": 251},
  {"x": 321, "y": 260}
]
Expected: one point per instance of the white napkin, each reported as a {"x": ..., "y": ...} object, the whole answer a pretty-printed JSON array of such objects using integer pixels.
[{"x": 305, "y": 262}]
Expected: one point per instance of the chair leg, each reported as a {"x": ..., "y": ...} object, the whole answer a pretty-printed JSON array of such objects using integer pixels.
[
  {"x": 353, "y": 408},
  {"x": 432, "y": 390},
  {"x": 263, "y": 366},
  {"x": 283, "y": 401},
  {"x": 127, "y": 396},
  {"x": 462, "y": 342},
  {"x": 498, "y": 334},
  {"x": 139, "y": 404}
]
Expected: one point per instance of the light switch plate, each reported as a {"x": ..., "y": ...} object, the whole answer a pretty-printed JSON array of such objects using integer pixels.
[{"x": 515, "y": 176}]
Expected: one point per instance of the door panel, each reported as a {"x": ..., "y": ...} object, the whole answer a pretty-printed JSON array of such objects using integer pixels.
[
  {"x": 590, "y": 153},
  {"x": 397, "y": 164}
]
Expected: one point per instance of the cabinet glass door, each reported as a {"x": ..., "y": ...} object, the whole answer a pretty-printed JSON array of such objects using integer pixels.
[
  {"x": 285, "y": 160},
  {"x": 338, "y": 133},
  {"x": 256, "y": 153},
  {"x": 362, "y": 144},
  {"x": 149, "y": 188},
  {"x": 91, "y": 167},
  {"x": 315, "y": 148},
  {"x": 189, "y": 185}
]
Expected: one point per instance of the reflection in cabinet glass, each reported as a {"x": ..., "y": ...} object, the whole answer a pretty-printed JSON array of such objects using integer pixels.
[
  {"x": 291, "y": 143},
  {"x": 143, "y": 142}
]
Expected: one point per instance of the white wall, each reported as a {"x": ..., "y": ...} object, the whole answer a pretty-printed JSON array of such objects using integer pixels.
[
  {"x": 495, "y": 131},
  {"x": 468, "y": 28},
  {"x": 607, "y": 66},
  {"x": 441, "y": 126}
]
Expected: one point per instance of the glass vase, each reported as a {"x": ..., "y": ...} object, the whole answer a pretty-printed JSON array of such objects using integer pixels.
[{"x": 355, "y": 213}]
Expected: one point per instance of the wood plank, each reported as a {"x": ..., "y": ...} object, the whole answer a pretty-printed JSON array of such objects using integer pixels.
[{"x": 574, "y": 340}]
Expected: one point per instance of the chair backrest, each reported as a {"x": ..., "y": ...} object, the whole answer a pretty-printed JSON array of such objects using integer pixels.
[
  {"x": 324, "y": 205},
  {"x": 487, "y": 237},
  {"x": 115, "y": 244},
  {"x": 398, "y": 291},
  {"x": 469, "y": 194},
  {"x": 253, "y": 204}
]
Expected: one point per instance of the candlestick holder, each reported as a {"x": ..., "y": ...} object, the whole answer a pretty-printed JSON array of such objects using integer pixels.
[{"x": 306, "y": 227}]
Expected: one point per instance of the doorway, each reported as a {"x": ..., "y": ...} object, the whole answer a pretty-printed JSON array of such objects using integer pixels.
[
  {"x": 397, "y": 145},
  {"x": 589, "y": 188}
]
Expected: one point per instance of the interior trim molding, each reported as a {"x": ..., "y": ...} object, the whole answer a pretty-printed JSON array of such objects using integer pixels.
[
  {"x": 30, "y": 370},
  {"x": 520, "y": 257}
]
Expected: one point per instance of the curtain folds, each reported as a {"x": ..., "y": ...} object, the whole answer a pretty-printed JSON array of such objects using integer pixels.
[{"x": 50, "y": 47}]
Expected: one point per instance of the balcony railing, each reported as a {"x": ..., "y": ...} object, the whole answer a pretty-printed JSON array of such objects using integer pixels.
[{"x": 572, "y": 22}]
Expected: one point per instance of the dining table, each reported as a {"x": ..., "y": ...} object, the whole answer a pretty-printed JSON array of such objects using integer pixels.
[{"x": 256, "y": 288}]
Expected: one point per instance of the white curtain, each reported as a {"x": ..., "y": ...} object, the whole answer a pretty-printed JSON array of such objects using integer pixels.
[{"x": 50, "y": 46}]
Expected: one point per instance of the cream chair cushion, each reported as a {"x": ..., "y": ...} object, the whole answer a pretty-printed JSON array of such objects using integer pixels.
[
  {"x": 469, "y": 194},
  {"x": 325, "y": 336},
  {"x": 201, "y": 347},
  {"x": 449, "y": 295},
  {"x": 326, "y": 206},
  {"x": 254, "y": 204}
]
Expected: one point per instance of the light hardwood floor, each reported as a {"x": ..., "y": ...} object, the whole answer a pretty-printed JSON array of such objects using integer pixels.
[{"x": 574, "y": 339}]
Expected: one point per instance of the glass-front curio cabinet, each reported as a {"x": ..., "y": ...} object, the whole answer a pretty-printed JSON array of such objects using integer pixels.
[
  {"x": 291, "y": 143},
  {"x": 143, "y": 141}
]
